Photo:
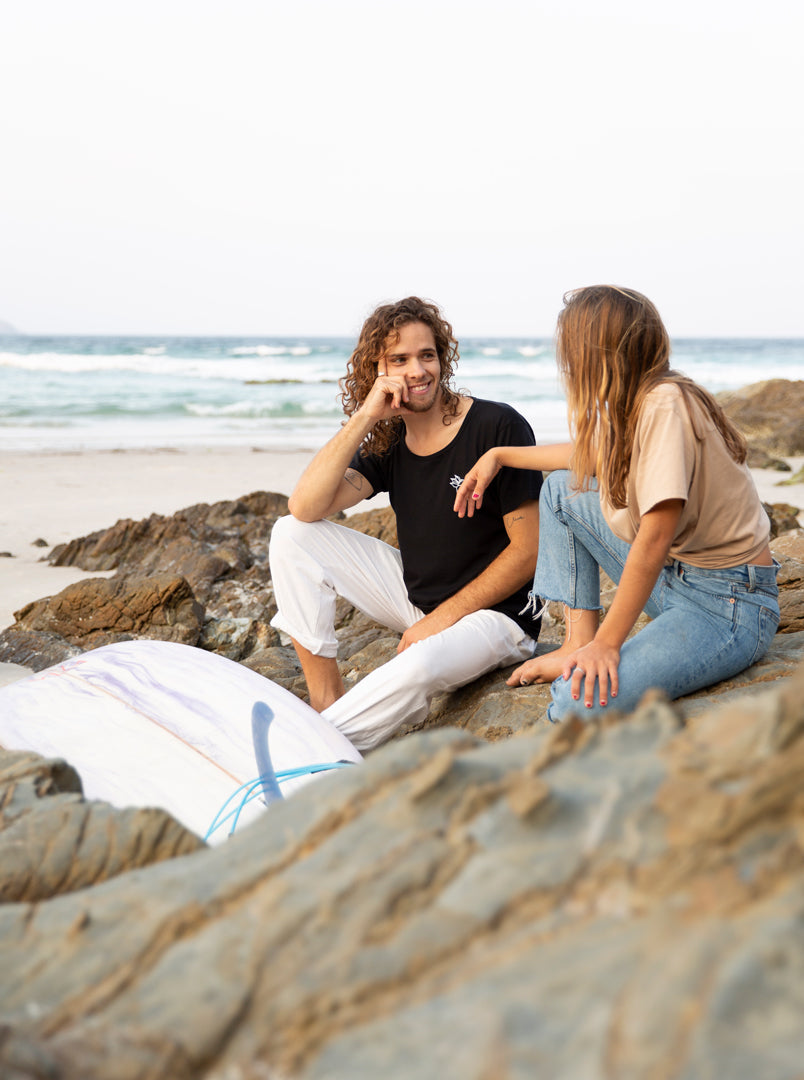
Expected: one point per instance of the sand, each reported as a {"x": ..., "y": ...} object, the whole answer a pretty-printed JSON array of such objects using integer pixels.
[{"x": 58, "y": 497}]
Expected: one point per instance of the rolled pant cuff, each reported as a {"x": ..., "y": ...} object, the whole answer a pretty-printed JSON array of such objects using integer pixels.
[{"x": 327, "y": 649}]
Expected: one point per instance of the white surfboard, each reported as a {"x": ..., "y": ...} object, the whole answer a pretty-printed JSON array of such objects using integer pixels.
[{"x": 154, "y": 723}]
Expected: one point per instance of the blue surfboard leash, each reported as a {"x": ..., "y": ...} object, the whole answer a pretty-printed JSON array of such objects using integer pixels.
[{"x": 268, "y": 781}]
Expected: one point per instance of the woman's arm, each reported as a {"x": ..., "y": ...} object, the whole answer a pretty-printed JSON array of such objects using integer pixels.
[
  {"x": 599, "y": 660},
  {"x": 470, "y": 494}
]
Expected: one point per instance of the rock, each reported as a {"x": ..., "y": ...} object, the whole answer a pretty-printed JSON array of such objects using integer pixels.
[
  {"x": 98, "y": 611},
  {"x": 770, "y": 414},
  {"x": 761, "y": 459},
  {"x": 52, "y": 841},
  {"x": 796, "y": 478},
  {"x": 790, "y": 544},
  {"x": 378, "y": 523},
  {"x": 234, "y": 532},
  {"x": 783, "y": 517},
  {"x": 220, "y": 550},
  {"x": 237, "y": 639},
  {"x": 34, "y": 649},
  {"x": 788, "y": 550},
  {"x": 455, "y": 908}
]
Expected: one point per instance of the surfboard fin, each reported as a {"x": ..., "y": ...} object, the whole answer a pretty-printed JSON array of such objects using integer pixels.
[{"x": 261, "y": 717}]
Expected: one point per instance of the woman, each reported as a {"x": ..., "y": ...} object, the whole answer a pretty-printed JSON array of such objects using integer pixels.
[{"x": 660, "y": 497}]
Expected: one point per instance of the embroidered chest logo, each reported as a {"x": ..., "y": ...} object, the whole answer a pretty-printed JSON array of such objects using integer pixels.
[{"x": 455, "y": 481}]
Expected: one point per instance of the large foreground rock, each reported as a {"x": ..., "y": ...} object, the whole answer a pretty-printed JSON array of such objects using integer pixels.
[{"x": 604, "y": 900}]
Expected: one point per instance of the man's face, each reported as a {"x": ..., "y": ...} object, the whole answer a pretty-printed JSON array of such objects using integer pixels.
[{"x": 414, "y": 358}]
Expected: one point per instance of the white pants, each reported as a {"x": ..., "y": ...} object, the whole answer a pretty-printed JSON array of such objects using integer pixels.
[{"x": 313, "y": 563}]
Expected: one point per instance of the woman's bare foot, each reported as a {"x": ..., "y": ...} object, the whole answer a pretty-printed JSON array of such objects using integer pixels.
[
  {"x": 581, "y": 626},
  {"x": 541, "y": 669}
]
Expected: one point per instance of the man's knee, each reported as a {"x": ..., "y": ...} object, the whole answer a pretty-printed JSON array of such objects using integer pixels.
[
  {"x": 286, "y": 530},
  {"x": 288, "y": 537}
]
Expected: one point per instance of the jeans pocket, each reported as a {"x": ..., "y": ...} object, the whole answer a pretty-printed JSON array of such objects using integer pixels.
[{"x": 768, "y": 622}]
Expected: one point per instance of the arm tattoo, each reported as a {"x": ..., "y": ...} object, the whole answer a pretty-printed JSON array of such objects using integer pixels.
[
  {"x": 514, "y": 518},
  {"x": 354, "y": 478}
]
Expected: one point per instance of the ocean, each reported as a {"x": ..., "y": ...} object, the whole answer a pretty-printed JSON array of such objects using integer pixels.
[{"x": 105, "y": 393}]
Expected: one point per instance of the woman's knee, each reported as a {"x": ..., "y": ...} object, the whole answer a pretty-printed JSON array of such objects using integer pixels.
[
  {"x": 554, "y": 488},
  {"x": 562, "y": 704}
]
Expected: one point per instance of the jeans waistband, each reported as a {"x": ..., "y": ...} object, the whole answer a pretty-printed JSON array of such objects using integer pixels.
[{"x": 751, "y": 575}]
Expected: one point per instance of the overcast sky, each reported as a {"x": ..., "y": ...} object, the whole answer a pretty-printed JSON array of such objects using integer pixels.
[{"x": 263, "y": 167}]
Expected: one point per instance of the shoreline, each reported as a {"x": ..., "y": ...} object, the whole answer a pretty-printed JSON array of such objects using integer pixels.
[{"x": 59, "y": 496}]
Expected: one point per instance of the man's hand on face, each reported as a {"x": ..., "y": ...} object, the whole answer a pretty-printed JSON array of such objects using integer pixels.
[{"x": 387, "y": 396}]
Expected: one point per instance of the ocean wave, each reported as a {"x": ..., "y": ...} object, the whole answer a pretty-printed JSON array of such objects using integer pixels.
[
  {"x": 270, "y": 350},
  {"x": 242, "y": 370},
  {"x": 508, "y": 367},
  {"x": 255, "y": 410}
]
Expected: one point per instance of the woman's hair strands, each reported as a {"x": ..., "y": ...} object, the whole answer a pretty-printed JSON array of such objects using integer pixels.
[{"x": 612, "y": 349}]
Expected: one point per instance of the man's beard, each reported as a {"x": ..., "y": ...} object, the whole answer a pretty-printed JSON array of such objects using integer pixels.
[{"x": 415, "y": 406}]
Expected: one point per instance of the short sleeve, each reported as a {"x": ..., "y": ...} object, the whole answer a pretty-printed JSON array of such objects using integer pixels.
[
  {"x": 517, "y": 486},
  {"x": 371, "y": 468},
  {"x": 665, "y": 452}
]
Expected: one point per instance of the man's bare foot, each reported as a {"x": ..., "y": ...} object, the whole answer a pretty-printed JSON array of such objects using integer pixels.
[{"x": 541, "y": 669}]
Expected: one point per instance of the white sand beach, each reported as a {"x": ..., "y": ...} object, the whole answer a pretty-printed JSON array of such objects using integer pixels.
[{"x": 58, "y": 497}]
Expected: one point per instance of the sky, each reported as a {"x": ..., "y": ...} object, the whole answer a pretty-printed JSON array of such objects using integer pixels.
[{"x": 280, "y": 167}]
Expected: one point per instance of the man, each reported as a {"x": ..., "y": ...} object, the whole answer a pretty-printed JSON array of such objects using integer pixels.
[{"x": 457, "y": 587}]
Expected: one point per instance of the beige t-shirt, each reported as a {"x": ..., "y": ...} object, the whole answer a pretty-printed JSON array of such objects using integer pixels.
[{"x": 722, "y": 522}]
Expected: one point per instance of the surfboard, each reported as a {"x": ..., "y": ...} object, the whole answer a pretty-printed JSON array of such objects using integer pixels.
[{"x": 155, "y": 723}]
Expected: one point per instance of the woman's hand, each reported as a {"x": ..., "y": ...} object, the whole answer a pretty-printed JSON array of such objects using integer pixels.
[
  {"x": 596, "y": 662},
  {"x": 470, "y": 494}
]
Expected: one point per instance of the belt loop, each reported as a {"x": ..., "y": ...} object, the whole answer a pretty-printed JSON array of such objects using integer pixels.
[{"x": 752, "y": 577}]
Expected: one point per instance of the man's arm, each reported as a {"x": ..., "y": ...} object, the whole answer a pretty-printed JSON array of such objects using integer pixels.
[
  {"x": 328, "y": 485},
  {"x": 512, "y": 569}
]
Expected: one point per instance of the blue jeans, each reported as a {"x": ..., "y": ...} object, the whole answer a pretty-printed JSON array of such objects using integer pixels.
[{"x": 707, "y": 625}]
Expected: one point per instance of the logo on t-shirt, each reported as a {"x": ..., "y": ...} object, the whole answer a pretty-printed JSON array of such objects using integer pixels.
[{"x": 455, "y": 481}]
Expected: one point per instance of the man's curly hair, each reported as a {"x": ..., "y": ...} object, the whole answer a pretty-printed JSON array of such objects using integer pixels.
[{"x": 361, "y": 371}]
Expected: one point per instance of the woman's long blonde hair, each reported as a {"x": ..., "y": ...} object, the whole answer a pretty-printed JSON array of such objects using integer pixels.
[{"x": 612, "y": 350}]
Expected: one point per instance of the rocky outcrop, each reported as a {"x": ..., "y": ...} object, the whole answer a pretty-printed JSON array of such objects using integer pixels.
[
  {"x": 98, "y": 611},
  {"x": 617, "y": 899},
  {"x": 202, "y": 543},
  {"x": 230, "y": 613},
  {"x": 52, "y": 841},
  {"x": 770, "y": 414}
]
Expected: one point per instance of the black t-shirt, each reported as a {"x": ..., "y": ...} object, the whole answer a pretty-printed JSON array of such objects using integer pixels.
[{"x": 440, "y": 551}]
